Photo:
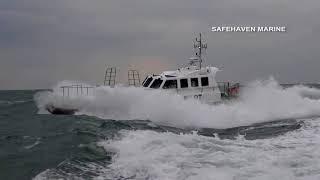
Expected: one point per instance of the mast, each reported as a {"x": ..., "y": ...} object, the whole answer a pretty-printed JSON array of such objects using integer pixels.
[{"x": 199, "y": 46}]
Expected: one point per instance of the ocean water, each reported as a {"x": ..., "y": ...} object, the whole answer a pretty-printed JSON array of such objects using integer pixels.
[{"x": 130, "y": 133}]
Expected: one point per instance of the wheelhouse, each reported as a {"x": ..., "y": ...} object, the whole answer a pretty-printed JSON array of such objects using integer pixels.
[
  {"x": 193, "y": 81},
  {"x": 182, "y": 79}
]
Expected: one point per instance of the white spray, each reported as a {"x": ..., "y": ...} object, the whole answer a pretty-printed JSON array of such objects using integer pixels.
[{"x": 260, "y": 101}]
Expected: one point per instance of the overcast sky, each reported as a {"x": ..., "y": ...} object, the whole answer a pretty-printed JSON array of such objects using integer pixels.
[{"x": 43, "y": 42}]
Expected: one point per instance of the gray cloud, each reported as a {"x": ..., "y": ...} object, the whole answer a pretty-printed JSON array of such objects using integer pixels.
[{"x": 43, "y": 42}]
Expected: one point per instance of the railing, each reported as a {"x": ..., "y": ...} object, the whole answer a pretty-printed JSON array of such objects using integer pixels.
[
  {"x": 76, "y": 90},
  {"x": 133, "y": 78},
  {"x": 110, "y": 76},
  {"x": 228, "y": 89}
]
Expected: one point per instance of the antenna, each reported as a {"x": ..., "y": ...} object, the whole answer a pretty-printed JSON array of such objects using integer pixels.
[{"x": 199, "y": 46}]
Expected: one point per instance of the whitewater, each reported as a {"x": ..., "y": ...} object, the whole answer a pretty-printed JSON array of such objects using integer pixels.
[
  {"x": 144, "y": 153},
  {"x": 152, "y": 155},
  {"x": 259, "y": 101}
]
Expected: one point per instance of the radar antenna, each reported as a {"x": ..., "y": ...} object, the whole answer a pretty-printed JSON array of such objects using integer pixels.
[{"x": 199, "y": 46}]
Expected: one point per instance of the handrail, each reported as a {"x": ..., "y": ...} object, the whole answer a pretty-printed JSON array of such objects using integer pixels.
[
  {"x": 229, "y": 89},
  {"x": 80, "y": 89}
]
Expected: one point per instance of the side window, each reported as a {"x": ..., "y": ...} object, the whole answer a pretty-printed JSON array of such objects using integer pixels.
[
  {"x": 148, "y": 81},
  {"x": 170, "y": 84},
  {"x": 204, "y": 81},
  {"x": 194, "y": 82},
  {"x": 156, "y": 83},
  {"x": 184, "y": 83}
]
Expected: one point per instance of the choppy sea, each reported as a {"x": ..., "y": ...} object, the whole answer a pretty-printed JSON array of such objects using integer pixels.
[{"x": 130, "y": 133}]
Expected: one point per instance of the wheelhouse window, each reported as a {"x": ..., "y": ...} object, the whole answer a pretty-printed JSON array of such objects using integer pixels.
[
  {"x": 204, "y": 81},
  {"x": 145, "y": 80},
  {"x": 148, "y": 81},
  {"x": 170, "y": 84},
  {"x": 183, "y": 83},
  {"x": 194, "y": 82},
  {"x": 156, "y": 83}
]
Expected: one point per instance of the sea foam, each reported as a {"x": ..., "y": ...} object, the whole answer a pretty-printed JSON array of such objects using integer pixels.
[
  {"x": 153, "y": 155},
  {"x": 259, "y": 101}
]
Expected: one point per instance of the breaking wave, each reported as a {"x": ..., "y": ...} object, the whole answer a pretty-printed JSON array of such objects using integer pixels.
[
  {"x": 154, "y": 155},
  {"x": 259, "y": 101}
]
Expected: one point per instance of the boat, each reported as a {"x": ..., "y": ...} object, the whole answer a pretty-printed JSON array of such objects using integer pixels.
[
  {"x": 69, "y": 91},
  {"x": 194, "y": 80},
  {"x": 60, "y": 111}
]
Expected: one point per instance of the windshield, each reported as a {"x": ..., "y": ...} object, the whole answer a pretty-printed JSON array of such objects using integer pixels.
[
  {"x": 156, "y": 83},
  {"x": 145, "y": 80},
  {"x": 148, "y": 81}
]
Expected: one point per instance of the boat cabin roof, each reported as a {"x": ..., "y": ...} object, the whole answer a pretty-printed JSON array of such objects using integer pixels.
[{"x": 191, "y": 73}]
